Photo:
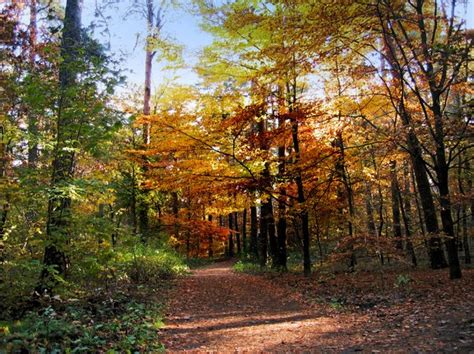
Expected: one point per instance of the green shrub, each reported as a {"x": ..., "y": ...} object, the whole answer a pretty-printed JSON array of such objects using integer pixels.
[
  {"x": 247, "y": 267},
  {"x": 121, "y": 325},
  {"x": 143, "y": 264}
]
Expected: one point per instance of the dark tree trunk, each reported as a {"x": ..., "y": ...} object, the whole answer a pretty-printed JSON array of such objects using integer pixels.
[
  {"x": 370, "y": 211},
  {"x": 210, "y": 251},
  {"x": 419, "y": 166},
  {"x": 281, "y": 232},
  {"x": 397, "y": 227},
  {"x": 237, "y": 233},
  {"x": 175, "y": 208},
  {"x": 281, "y": 225},
  {"x": 263, "y": 237},
  {"x": 3, "y": 219},
  {"x": 466, "y": 227},
  {"x": 3, "y": 170},
  {"x": 349, "y": 195},
  {"x": 68, "y": 129},
  {"x": 380, "y": 209},
  {"x": 292, "y": 101},
  {"x": 32, "y": 117},
  {"x": 271, "y": 232},
  {"x": 253, "y": 232},
  {"x": 442, "y": 174},
  {"x": 244, "y": 231},
  {"x": 405, "y": 207},
  {"x": 301, "y": 201},
  {"x": 231, "y": 237}
]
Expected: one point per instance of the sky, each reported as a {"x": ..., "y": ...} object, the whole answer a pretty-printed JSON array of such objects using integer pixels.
[
  {"x": 127, "y": 36},
  {"x": 125, "y": 28}
]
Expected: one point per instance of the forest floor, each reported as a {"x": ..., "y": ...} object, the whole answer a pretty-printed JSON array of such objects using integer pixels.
[{"x": 218, "y": 309}]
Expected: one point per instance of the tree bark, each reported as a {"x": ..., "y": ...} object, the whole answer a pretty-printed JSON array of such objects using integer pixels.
[
  {"x": 281, "y": 225},
  {"x": 397, "y": 227},
  {"x": 210, "y": 251},
  {"x": 419, "y": 167},
  {"x": 237, "y": 233},
  {"x": 32, "y": 117},
  {"x": 59, "y": 205},
  {"x": 349, "y": 194},
  {"x": 468, "y": 227},
  {"x": 231, "y": 237},
  {"x": 253, "y": 232},
  {"x": 263, "y": 237},
  {"x": 405, "y": 207},
  {"x": 244, "y": 231}
]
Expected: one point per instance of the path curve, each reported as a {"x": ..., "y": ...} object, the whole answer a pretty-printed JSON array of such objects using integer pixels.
[{"x": 217, "y": 309}]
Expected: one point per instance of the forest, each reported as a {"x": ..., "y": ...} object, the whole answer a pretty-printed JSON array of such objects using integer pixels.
[{"x": 311, "y": 191}]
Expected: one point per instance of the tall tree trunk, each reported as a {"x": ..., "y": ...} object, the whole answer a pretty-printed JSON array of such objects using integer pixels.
[
  {"x": 301, "y": 201},
  {"x": 370, "y": 211},
  {"x": 244, "y": 231},
  {"x": 468, "y": 229},
  {"x": 3, "y": 179},
  {"x": 397, "y": 227},
  {"x": 267, "y": 223},
  {"x": 263, "y": 237},
  {"x": 210, "y": 251},
  {"x": 59, "y": 205},
  {"x": 271, "y": 231},
  {"x": 144, "y": 205},
  {"x": 253, "y": 232},
  {"x": 32, "y": 117},
  {"x": 237, "y": 233},
  {"x": 380, "y": 208},
  {"x": 419, "y": 165},
  {"x": 405, "y": 207},
  {"x": 281, "y": 225},
  {"x": 175, "y": 210},
  {"x": 349, "y": 194},
  {"x": 231, "y": 237},
  {"x": 442, "y": 174}
]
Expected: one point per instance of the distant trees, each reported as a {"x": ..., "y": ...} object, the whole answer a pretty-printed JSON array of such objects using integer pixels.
[
  {"x": 329, "y": 121},
  {"x": 326, "y": 131}
]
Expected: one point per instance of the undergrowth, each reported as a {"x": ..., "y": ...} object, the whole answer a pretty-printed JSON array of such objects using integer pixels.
[{"x": 110, "y": 301}]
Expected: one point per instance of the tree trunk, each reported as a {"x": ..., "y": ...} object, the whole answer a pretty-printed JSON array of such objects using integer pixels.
[
  {"x": 405, "y": 207},
  {"x": 210, "y": 251},
  {"x": 32, "y": 117},
  {"x": 244, "y": 231},
  {"x": 231, "y": 237},
  {"x": 144, "y": 205},
  {"x": 271, "y": 232},
  {"x": 237, "y": 233},
  {"x": 301, "y": 200},
  {"x": 175, "y": 209},
  {"x": 3, "y": 176},
  {"x": 253, "y": 232},
  {"x": 263, "y": 238},
  {"x": 349, "y": 195},
  {"x": 397, "y": 227},
  {"x": 281, "y": 225},
  {"x": 419, "y": 166},
  {"x": 442, "y": 174},
  {"x": 468, "y": 228},
  {"x": 370, "y": 211},
  {"x": 59, "y": 205}
]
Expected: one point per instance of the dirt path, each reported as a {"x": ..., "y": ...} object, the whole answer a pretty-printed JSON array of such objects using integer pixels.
[{"x": 217, "y": 309}]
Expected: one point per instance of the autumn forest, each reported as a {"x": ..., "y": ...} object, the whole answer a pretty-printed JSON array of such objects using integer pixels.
[{"x": 311, "y": 191}]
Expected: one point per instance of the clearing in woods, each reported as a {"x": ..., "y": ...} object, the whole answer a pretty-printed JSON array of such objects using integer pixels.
[{"x": 217, "y": 309}]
